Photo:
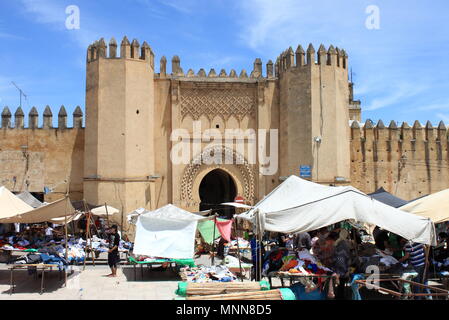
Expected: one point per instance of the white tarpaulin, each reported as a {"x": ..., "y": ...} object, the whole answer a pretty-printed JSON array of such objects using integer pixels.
[
  {"x": 57, "y": 209},
  {"x": 11, "y": 205},
  {"x": 168, "y": 232},
  {"x": 298, "y": 205}
]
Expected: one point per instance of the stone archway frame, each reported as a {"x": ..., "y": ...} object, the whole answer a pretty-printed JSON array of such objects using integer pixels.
[{"x": 240, "y": 170}]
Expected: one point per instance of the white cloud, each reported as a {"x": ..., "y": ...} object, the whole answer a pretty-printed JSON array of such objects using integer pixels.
[
  {"x": 182, "y": 6},
  {"x": 44, "y": 11},
  {"x": 54, "y": 14},
  {"x": 394, "y": 94}
]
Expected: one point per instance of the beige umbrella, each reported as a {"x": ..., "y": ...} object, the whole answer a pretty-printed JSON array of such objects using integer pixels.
[{"x": 101, "y": 211}]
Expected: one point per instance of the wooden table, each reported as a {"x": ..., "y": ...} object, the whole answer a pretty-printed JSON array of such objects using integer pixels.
[{"x": 40, "y": 266}]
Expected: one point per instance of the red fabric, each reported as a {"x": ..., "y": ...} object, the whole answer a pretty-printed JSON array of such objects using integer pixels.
[{"x": 225, "y": 229}]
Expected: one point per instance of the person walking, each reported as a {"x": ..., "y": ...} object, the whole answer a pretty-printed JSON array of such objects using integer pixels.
[{"x": 113, "y": 255}]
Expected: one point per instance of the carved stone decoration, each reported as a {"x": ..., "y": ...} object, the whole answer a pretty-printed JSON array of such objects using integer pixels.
[
  {"x": 228, "y": 156},
  {"x": 211, "y": 102}
]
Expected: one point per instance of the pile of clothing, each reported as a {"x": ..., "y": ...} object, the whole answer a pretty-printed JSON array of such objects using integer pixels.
[
  {"x": 44, "y": 258},
  {"x": 102, "y": 245},
  {"x": 302, "y": 262},
  {"x": 14, "y": 243},
  {"x": 204, "y": 274}
]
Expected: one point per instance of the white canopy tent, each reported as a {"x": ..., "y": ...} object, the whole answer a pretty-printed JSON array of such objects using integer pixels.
[
  {"x": 434, "y": 206},
  {"x": 57, "y": 209},
  {"x": 168, "y": 232},
  {"x": 298, "y": 205},
  {"x": 11, "y": 205}
]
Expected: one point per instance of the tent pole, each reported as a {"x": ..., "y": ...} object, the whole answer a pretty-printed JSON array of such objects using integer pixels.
[
  {"x": 257, "y": 268},
  {"x": 86, "y": 233},
  {"x": 238, "y": 249},
  {"x": 213, "y": 242},
  {"x": 107, "y": 213},
  {"x": 65, "y": 231},
  {"x": 260, "y": 248}
]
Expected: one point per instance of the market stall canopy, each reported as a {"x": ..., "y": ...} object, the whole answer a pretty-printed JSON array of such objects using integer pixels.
[
  {"x": 385, "y": 197},
  {"x": 298, "y": 205},
  {"x": 101, "y": 211},
  {"x": 434, "y": 206},
  {"x": 237, "y": 205},
  {"x": 62, "y": 220},
  {"x": 29, "y": 199},
  {"x": 11, "y": 205},
  {"x": 168, "y": 232},
  {"x": 57, "y": 209}
]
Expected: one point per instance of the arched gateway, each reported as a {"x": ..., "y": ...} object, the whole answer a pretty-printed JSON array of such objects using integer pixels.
[{"x": 203, "y": 185}]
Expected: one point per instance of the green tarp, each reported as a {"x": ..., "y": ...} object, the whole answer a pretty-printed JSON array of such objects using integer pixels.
[
  {"x": 180, "y": 262},
  {"x": 206, "y": 229}
]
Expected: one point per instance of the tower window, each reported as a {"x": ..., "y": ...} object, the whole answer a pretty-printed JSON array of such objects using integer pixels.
[{"x": 217, "y": 126}]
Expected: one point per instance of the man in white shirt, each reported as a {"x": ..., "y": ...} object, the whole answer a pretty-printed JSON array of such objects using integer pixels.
[{"x": 49, "y": 233}]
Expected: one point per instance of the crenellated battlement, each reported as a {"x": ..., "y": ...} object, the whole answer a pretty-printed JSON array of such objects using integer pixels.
[
  {"x": 377, "y": 142},
  {"x": 177, "y": 72},
  {"x": 370, "y": 131},
  {"x": 128, "y": 50},
  {"x": 296, "y": 59},
  {"x": 47, "y": 119}
]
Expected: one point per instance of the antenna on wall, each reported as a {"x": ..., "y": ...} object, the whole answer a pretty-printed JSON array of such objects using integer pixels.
[{"x": 21, "y": 93}]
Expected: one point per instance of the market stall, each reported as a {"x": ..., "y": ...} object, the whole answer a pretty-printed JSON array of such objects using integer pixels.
[
  {"x": 298, "y": 205},
  {"x": 42, "y": 258},
  {"x": 164, "y": 237}
]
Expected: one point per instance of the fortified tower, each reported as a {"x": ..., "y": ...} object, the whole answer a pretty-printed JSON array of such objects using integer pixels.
[
  {"x": 314, "y": 113},
  {"x": 119, "y": 155}
]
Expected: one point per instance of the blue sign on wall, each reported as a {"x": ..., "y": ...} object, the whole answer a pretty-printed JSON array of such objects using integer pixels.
[{"x": 305, "y": 171}]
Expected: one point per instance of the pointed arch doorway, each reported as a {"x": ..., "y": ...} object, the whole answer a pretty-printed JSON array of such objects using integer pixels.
[{"x": 217, "y": 187}]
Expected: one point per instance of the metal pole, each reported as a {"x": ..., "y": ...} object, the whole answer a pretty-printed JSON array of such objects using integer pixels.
[
  {"x": 238, "y": 249},
  {"x": 213, "y": 242}
]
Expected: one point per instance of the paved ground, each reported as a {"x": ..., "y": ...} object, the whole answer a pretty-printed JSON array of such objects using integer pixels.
[{"x": 91, "y": 284}]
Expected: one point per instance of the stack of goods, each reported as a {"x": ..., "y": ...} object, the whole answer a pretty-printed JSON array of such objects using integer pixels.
[
  {"x": 16, "y": 243},
  {"x": 283, "y": 262},
  {"x": 42, "y": 258},
  {"x": 300, "y": 263},
  {"x": 211, "y": 288},
  {"x": 204, "y": 274},
  {"x": 278, "y": 294}
]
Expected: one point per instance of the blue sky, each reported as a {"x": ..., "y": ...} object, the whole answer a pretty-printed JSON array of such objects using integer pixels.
[{"x": 400, "y": 70}]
